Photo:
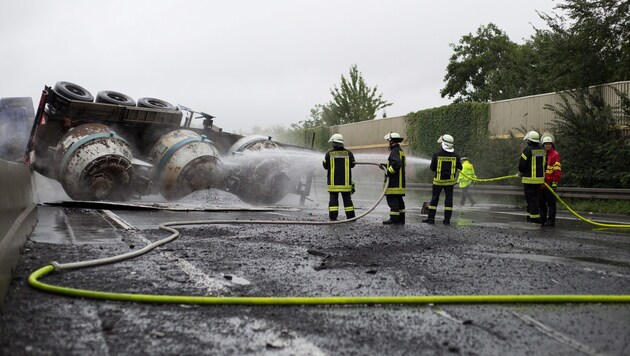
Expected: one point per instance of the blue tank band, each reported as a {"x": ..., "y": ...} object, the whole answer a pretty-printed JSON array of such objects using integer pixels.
[{"x": 85, "y": 140}]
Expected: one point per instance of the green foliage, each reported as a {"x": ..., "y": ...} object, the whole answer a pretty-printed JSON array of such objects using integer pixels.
[
  {"x": 486, "y": 66},
  {"x": 353, "y": 101},
  {"x": 588, "y": 44},
  {"x": 466, "y": 122},
  {"x": 311, "y": 137},
  {"x": 604, "y": 206},
  {"x": 594, "y": 151}
]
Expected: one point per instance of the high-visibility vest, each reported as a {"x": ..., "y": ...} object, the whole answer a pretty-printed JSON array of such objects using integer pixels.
[
  {"x": 532, "y": 164},
  {"x": 445, "y": 165},
  {"x": 338, "y": 162},
  {"x": 395, "y": 170}
]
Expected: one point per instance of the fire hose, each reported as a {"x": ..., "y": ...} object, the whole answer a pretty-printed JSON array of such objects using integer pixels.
[
  {"x": 34, "y": 281},
  {"x": 621, "y": 226}
]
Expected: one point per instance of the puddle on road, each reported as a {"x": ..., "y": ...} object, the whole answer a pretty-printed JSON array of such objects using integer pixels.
[
  {"x": 61, "y": 226},
  {"x": 51, "y": 226}
]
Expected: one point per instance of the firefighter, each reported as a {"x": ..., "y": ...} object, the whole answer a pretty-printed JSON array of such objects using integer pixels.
[
  {"x": 395, "y": 171},
  {"x": 531, "y": 167},
  {"x": 445, "y": 163},
  {"x": 339, "y": 163},
  {"x": 464, "y": 182},
  {"x": 553, "y": 174}
]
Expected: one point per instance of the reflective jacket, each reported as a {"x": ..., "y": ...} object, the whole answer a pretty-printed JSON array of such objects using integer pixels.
[
  {"x": 532, "y": 164},
  {"x": 445, "y": 165},
  {"x": 469, "y": 170},
  {"x": 554, "y": 168},
  {"x": 338, "y": 162},
  {"x": 395, "y": 170}
]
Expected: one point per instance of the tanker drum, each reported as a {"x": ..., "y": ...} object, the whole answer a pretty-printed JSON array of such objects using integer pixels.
[
  {"x": 184, "y": 162},
  {"x": 94, "y": 163},
  {"x": 261, "y": 174}
]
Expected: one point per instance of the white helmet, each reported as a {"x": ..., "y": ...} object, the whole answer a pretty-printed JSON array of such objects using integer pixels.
[
  {"x": 532, "y": 136},
  {"x": 336, "y": 138},
  {"x": 547, "y": 138},
  {"x": 393, "y": 136},
  {"x": 446, "y": 138}
]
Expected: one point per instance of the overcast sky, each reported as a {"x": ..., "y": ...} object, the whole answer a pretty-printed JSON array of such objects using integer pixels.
[{"x": 249, "y": 63}]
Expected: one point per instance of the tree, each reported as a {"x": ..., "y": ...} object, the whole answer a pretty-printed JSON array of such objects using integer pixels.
[
  {"x": 353, "y": 101},
  {"x": 589, "y": 45},
  {"x": 487, "y": 66},
  {"x": 594, "y": 150}
]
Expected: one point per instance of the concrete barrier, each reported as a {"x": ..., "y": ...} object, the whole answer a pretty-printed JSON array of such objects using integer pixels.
[{"x": 18, "y": 216}]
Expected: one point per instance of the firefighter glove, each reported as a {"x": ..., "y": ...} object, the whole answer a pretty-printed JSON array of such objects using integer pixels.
[
  {"x": 353, "y": 190},
  {"x": 382, "y": 166}
]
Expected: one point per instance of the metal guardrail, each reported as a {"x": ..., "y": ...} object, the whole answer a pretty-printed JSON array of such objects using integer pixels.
[{"x": 564, "y": 192}]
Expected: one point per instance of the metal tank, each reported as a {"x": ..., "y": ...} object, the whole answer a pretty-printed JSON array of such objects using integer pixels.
[
  {"x": 258, "y": 172},
  {"x": 185, "y": 161},
  {"x": 93, "y": 163}
]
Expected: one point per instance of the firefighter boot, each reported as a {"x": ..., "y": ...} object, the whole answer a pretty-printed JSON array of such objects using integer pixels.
[
  {"x": 402, "y": 218},
  {"x": 447, "y": 217},
  {"x": 551, "y": 222},
  {"x": 350, "y": 215},
  {"x": 393, "y": 220},
  {"x": 430, "y": 218}
]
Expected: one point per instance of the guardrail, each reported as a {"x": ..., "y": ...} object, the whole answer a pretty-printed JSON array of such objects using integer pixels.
[
  {"x": 565, "y": 192},
  {"x": 517, "y": 190}
]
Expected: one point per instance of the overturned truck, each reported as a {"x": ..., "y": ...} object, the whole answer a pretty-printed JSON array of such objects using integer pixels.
[{"x": 114, "y": 148}]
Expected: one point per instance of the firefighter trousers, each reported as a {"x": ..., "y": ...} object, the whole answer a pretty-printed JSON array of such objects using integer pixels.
[
  {"x": 333, "y": 205},
  {"x": 448, "y": 202},
  {"x": 532, "y": 192},
  {"x": 547, "y": 207},
  {"x": 396, "y": 205}
]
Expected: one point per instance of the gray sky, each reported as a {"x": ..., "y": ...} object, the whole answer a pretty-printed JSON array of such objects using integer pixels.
[{"x": 250, "y": 62}]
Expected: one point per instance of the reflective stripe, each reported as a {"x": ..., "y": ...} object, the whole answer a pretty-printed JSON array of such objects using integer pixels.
[
  {"x": 349, "y": 208},
  {"x": 339, "y": 188},
  {"x": 395, "y": 191},
  {"x": 333, "y": 208}
]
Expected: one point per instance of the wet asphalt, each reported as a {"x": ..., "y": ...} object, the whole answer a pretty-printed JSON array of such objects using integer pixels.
[{"x": 487, "y": 250}]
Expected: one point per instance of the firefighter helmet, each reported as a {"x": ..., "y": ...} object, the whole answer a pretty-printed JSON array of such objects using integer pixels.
[
  {"x": 336, "y": 138},
  {"x": 394, "y": 137},
  {"x": 532, "y": 136},
  {"x": 547, "y": 138},
  {"x": 447, "y": 139}
]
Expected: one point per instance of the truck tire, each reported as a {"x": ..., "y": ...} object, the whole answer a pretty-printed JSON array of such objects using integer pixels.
[
  {"x": 73, "y": 91},
  {"x": 114, "y": 97},
  {"x": 154, "y": 103}
]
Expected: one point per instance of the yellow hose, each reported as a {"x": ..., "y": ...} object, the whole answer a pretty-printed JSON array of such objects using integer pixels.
[
  {"x": 436, "y": 299},
  {"x": 34, "y": 282},
  {"x": 619, "y": 226}
]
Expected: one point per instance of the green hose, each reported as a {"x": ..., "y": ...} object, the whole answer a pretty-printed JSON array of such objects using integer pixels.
[
  {"x": 445, "y": 299},
  {"x": 34, "y": 282},
  {"x": 619, "y": 226}
]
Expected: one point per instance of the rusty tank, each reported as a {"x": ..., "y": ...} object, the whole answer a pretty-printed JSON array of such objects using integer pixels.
[
  {"x": 258, "y": 173},
  {"x": 185, "y": 161},
  {"x": 94, "y": 163}
]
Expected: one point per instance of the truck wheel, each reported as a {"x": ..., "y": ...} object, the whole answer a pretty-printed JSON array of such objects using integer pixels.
[
  {"x": 73, "y": 91},
  {"x": 154, "y": 103},
  {"x": 113, "y": 97}
]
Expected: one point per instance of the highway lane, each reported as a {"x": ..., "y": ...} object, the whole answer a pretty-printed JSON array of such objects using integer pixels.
[{"x": 489, "y": 249}]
